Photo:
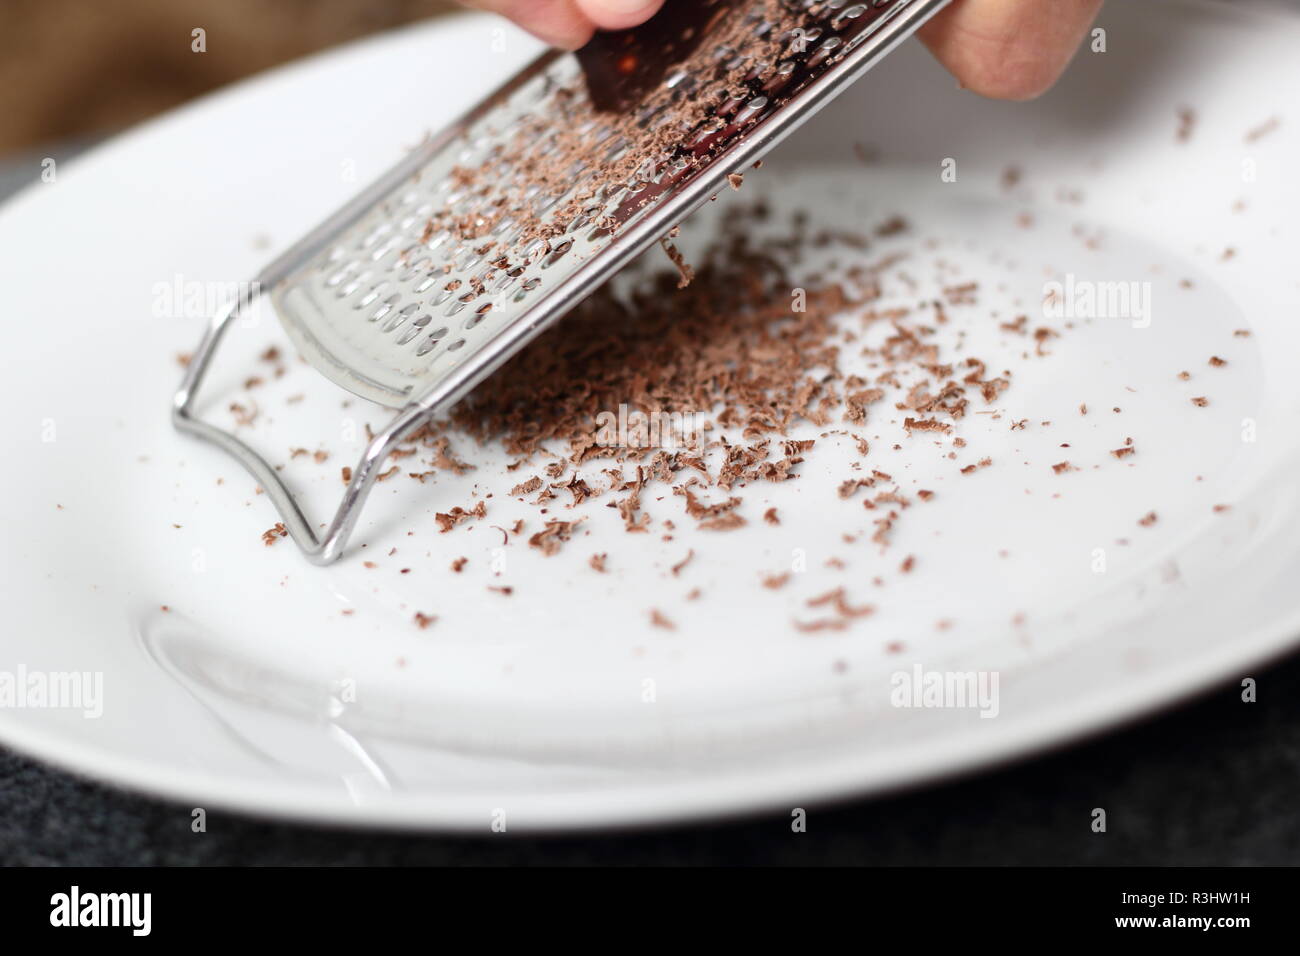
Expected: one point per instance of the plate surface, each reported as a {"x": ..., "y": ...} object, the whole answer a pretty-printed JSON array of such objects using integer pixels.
[{"x": 232, "y": 676}]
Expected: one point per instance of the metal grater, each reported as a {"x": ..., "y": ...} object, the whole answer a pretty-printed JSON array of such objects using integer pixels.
[{"x": 434, "y": 276}]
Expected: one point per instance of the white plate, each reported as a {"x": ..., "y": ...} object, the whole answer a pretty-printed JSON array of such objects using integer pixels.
[{"x": 255, "y": 691}]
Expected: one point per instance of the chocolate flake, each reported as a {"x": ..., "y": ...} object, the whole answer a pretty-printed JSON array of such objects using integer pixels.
[
  {"x": 448, "y": 520},
  {"x": 657, "y": 619},
  {"x": 551, "y": 538},
  {"x": 680, "y": 565}
]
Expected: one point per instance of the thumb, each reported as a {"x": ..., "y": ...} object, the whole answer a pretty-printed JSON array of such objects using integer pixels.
[
  {"x": 619, "y": 14},
  {"x": 1009, "y": 49}
]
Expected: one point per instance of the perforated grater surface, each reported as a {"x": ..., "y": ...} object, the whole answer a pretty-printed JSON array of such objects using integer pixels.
[{"x": 434, "y": 276}]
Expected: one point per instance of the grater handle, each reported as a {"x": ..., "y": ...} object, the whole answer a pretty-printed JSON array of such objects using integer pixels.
[{"x": 319, "y": 549}]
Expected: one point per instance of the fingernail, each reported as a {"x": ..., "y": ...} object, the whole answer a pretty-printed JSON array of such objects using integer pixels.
[{"x": 628, "y": 7}]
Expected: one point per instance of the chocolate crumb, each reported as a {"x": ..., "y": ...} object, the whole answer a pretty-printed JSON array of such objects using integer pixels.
[
  {"x": 685, "y": 272},
  {"x": 526, "y": 487},
  {"x": 727, "y": 522},
  {"x": 839, "y": 601},
  {"x": 829, "y": 624},
  {"x": 551, "y": 538},
  {"x": 1263, "y": 129},
  {"x": 657, "y": 619},
  {"x": 680, "y": 565},
  {"x": 448, "y": 520},
  {"x": 892, "y": 226}
]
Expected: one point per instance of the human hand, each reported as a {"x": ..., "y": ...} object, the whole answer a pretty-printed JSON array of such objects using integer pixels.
[
  {"x": 570, "y": 23},
  {"x": 1007, "y": 49}
]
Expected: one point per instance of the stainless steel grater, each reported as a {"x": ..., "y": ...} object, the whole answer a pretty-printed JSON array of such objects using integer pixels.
[{"x": 434, "y": 276}]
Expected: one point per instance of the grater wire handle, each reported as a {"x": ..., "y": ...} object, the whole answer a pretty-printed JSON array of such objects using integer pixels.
[
  {"x": 319, "y": 549},
  {"x": 862, "y": 34}
]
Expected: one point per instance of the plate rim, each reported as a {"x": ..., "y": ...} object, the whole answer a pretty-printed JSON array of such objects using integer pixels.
[{"x": 828, "y": 781}]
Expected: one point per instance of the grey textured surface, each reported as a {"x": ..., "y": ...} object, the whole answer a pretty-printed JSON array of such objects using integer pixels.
[{"x": 1216, "y": 782}]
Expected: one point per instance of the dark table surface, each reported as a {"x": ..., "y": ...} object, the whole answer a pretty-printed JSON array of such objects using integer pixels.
[{"x": 1216, "y": 782}]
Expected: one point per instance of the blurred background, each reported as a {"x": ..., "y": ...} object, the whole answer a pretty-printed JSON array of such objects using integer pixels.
[
  {"x": 78, "y": 69},
  {"x": 72, "y": 71}
]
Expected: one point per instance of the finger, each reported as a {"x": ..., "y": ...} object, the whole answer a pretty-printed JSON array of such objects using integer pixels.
[
  {"x": 1009, "y": 49},
  {"x": 558, "y": 22},
  {"x": 619, "y": 14}
]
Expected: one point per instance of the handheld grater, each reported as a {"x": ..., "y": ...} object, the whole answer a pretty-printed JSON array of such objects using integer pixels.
[{"x": 438, "y": 273}]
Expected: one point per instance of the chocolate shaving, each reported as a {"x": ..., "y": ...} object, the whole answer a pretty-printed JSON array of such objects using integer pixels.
[
  {"x": 551, "y": 538},
  {"x": 657, "y": 619},
  {"x": 448, "y": 520},
  {"x": 680, "y": 565},
  {"x": 685, "y": 273},
  {"x": 526, "y": 487}
]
